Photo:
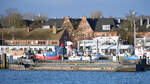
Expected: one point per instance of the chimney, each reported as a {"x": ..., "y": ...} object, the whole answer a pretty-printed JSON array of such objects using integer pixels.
[
  {"x": 83, "y": 17},
  {"x": 119, "y": 21},
  {"x": 141, "y": 22},
  {"x": 54, "y": 30},
  {"x": 147, "y": 23},
  {"x": 67, "y": 18}
]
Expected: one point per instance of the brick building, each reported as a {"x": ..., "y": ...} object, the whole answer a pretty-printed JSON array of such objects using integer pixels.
[
  {"x": 75, "y": 29},
  {"x": 36, "y": 37}
]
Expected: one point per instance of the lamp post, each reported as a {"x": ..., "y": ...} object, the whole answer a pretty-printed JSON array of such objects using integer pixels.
[
  {"x": 2, "y": 38},
  {"x": 134, "y": 33},
  {"x": 134, "y": 26}
]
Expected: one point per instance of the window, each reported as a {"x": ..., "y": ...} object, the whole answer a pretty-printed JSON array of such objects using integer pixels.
[
  {"x": 54, "y": 42},
  {"x": 17, "y": 43},
  {"x": 106, "y": 27},
  {"x": 41, "y": 42}
]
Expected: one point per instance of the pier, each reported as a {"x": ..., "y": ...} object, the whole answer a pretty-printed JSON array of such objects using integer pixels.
[{"x": 76, "y": 66}]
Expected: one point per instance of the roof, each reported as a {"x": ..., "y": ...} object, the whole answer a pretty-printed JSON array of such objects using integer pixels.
[
  {"x": 57, "y": 22},
  {"x": 143, "y": 28},
  {"x": 36, "y": 34},
  {"x": 75, "y": 22},
  {"x": 97, "y": 24}
]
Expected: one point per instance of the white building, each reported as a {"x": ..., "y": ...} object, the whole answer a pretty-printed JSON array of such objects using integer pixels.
[{"x": 104, "y": 45}]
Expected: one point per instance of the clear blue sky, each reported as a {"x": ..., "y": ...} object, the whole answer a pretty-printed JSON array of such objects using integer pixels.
[{"x": 77, "y": 8}]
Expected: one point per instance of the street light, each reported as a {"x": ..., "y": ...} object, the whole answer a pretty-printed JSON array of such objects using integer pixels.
[{"x": 133, "y": 14}]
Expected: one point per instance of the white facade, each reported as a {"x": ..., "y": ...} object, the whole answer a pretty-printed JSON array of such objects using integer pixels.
[
  {"x": 4, "y": 48},
  {"x": 105, "y": 45},
  {"x": 142, "y": 46}
]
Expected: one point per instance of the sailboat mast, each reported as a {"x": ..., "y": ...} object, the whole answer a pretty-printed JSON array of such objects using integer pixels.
[{"x": 134, "y": 33}]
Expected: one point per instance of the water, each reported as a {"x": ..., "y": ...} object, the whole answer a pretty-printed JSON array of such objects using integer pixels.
[{"x": 73, "y": 77}]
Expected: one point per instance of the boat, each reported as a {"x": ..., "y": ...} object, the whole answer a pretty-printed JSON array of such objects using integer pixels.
[
  {"x": 134, "y": 57},
  {"x": 84, "y": 58},
  {"x": 51, "y": 55},
  {"x": 47, "y": 56},
  {"x": 15, "y": 54}
]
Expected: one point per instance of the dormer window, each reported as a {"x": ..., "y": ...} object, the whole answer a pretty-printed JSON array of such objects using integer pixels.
[{"x": 106, "y": 27}]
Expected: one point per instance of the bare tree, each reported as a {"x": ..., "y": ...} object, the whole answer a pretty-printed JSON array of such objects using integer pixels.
[
  {"x": 11, "y": 11},
  {"x": 29, "y": 15},
  {"x": 96, "y": 14},
  {"x": 14, "y": 18},
  {"x": 131, "y": 16}
]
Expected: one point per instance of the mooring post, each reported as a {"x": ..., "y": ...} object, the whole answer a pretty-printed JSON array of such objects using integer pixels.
[
  {"x": 118, "y": 59},
  {"x": 147, "y": 60},
  {"x": 0, "y": 61},
  {"x": 4, "y": 61}
]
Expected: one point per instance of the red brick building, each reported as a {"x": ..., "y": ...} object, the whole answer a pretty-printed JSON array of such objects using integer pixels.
[
  {"x": 75, "y": 29},
  {"x": 52, "y": 37}
]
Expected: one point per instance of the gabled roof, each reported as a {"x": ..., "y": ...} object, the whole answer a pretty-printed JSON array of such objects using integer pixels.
[
  {"x": 57, "y": 22},
  {"x": 75, "y": 22},
  {"x": 96, "y": 24},
  {"x": 92, "y": 22}
]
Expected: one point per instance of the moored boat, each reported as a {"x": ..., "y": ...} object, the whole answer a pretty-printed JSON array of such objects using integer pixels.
[
  {"x": 47, "y": 56},
  {"x": 84, "y": 58}
]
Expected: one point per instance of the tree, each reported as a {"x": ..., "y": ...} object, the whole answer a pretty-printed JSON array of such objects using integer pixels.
[
  {"x": 131, "y": 16},
  {"x": 39, "y": 20},
  {"x": 36, "y": 24},
  {"x": 14, "y": 18},
  {"x": 28, "y": 16},
  {"x": 96, "y": 14},
  {"x": 11, "y": 11},
  {"x": 126, "y": 32},
  {"x": 1, "y": 20}
]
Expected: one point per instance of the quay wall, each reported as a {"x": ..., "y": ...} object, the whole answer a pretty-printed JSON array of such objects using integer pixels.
[{"x": 76, "y": 67}]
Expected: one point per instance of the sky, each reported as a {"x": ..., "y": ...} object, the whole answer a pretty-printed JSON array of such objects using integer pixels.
[{"x": 77, "y": 8}]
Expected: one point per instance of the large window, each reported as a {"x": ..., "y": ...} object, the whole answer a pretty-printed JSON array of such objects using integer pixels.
[
  {"x": 106, "y": 27},
  {"x": 41, "y": 42}
]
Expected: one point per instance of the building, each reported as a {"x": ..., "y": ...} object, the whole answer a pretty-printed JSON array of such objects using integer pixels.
[
  {"x": 37, "y": 37},
  {"x": 106, "y": 46},
  {"x": 85, "y": 28}
]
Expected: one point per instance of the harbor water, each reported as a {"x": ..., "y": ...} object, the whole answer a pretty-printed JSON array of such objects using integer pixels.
[{"x": 73, "y": 77}]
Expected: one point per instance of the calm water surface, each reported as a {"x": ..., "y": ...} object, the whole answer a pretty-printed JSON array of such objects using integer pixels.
[{"x": 73, "y": 77}]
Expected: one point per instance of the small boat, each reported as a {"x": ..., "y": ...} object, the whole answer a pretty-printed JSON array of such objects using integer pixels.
[
  {"x": 84, "y": 58},
  {"x": 16, "y": 54},
  {"x": 131, "y": 57},
  {"x": 47, "y": 56}
]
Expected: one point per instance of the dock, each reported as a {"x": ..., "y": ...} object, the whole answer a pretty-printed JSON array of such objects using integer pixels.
[{"x": 76, "y": 66}]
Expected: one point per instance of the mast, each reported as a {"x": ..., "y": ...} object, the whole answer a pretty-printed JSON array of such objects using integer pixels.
[
  {"x": 2, "y": 38},
  {"x": 134, "y": 33},
  {"x": 96, "y": 46},
  {"x": 13, "y": 36}
]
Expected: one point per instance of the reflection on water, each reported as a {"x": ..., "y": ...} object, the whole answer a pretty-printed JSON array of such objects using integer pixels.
[{"x": 73, "y": 77}]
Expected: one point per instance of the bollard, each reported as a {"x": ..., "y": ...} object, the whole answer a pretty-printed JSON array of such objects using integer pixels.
[
  {"x": 4, "y": 61},
  {"x": 0, "y": 61},
  {"x": 118, "y": 59},
  {"x": 147, "y": 60}
]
